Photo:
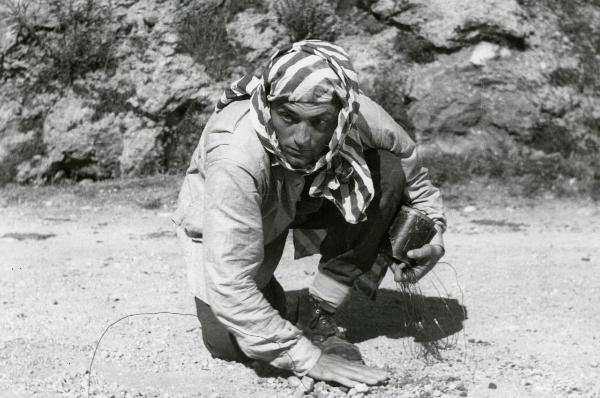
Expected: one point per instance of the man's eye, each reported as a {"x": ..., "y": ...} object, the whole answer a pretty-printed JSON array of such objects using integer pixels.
[
  {"x": 322, "y": 123},
  {"x": 286, "y": 117}
]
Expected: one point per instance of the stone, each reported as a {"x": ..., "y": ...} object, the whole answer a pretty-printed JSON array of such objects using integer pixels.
[
  {"x": 163, "y": 83},
  {"x": 151, "y": 19},
  {"x": 293, "y": 381},
  {"x": 483, "y": 53},
  {"x": 451, "y": 23},
  {"x": 361, "y": 388},
  {"x": 308, "y": 383},
  {"x": 257, "y": 32},
  {"x": 15, "y": 149},
  {"x": 140, "y": 147}
]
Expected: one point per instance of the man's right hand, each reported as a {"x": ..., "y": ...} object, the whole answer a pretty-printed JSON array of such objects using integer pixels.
[{"x": 337, "y": 369}]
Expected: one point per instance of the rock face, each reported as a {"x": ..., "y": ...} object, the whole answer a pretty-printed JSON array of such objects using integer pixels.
[
  {"x": 108, "y": 124},
  {"x": 452, "y": 23},
  {"x": 466, "y": 76}
]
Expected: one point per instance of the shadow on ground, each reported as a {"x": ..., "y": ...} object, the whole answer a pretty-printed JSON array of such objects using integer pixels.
[{"x": 397, "y": 314}]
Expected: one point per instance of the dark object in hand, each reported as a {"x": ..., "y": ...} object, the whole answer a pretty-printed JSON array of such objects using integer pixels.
[{"x": 410, "y": 230}]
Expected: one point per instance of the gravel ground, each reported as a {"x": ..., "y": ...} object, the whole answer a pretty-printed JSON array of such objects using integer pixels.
[{"x": 518, "y": 305}]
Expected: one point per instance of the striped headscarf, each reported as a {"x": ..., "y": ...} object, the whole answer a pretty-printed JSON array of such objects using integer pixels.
[{"x": 313, "y": 71}]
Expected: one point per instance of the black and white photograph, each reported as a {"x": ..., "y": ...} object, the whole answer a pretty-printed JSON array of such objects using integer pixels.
[{"x": 300, "y": 198}]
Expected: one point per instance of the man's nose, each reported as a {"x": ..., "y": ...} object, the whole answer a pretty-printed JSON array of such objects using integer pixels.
[{"x": 303, "y": 136}]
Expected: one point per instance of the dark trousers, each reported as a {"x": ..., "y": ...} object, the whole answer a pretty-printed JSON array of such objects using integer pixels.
[{"x": 348, "y": 250}]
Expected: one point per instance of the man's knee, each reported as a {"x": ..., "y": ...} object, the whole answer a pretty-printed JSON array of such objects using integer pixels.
[{"x": 219, "y": 342}]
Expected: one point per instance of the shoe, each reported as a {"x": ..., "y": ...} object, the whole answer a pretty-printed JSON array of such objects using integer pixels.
[{"x": 319, "y": 325}]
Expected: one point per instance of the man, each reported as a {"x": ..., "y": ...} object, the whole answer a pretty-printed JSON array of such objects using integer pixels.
[{"x": 299, "y": 148}]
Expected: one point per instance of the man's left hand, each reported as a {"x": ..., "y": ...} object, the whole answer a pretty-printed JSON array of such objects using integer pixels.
[{"x": 426, "y": 257}]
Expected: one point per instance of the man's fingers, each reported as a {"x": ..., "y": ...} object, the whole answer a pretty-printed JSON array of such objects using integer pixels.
[
  {"x": 421, "y": 252},
  {"x": 363, "y": 375},
  {"x": 340, "y": 370},
  {"x": 344, "y": 381},
  {"x": 397, "y": 269}
]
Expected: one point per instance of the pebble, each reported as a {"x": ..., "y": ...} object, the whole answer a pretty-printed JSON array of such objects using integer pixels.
[
  {"x": 492, "y": 386},
  {"x": 308, "y": 383},
  {"x": 361, "y": 387},
  {"x": 293, "y": 381},
  {"x": 321, "y": 394},
  {"x": 469, "y": 209},
  {"x": 304, "y": 386}
]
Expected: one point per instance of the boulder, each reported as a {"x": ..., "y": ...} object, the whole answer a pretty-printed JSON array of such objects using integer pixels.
[
  {"x": 141, "y": 150},
  {"x": 450, "y": 24},
  {"x": 256, "y": 32},
  {"x": 76, "y": 144},
  {"x": 162, "y": 83}
]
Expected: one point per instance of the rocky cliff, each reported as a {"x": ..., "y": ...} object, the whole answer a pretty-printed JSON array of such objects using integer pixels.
[{"x": 502, "y": 79}]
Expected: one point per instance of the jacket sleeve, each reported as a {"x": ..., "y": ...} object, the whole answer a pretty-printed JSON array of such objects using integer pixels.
[
  {"x": 379, "y": 131},
  {"x": 233, "y": 252}
]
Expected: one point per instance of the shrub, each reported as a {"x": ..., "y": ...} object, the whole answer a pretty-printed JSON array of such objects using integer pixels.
[
  {"x": 564, "y": 77},
  {"x": 388, "y": 91},
  {"x": 81, "y": 40},
  {"x": 203, "y": 35},
  {"x": 551, "y": 138},
  {"x": 416, "y": 49},
  {"x": 528, "y": 176},
  {"x": 186, "y": 127},
  {"x": 307, "y": 19}
]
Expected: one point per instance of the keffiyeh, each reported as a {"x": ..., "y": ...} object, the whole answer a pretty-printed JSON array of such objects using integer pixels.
[{"x": 313, "y": 71}]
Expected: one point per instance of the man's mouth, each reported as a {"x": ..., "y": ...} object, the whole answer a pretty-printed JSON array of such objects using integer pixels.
[{"x": 299, "y": 152}]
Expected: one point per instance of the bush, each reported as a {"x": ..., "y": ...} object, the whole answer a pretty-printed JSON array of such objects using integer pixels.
[
  {"x": 564, "y": 77},
  {"x": 528, "y": 176},
  {"x": 81, "y": 40},
  {"x": 307, "y": 19},
  {"x": 185, "y": 131},
  {"x": 388, "y": 91},
  {"x": 415, "y": 48},
  {"x": 203, "y": 35},
  {"x": 551, "y": 138}
]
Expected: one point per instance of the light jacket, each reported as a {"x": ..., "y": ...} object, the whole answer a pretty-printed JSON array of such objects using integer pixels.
[{"x": 234, "y": 201}]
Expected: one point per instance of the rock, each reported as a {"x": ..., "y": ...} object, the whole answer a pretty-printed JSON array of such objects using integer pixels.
[
  {"x": 260, "y": 33},
  {"x": 484, "y": 52},
  {"x": 451, "y": 23},
  {"x": 361, "y": 388},
  {"x": 492, "y": 386},
  {"x": 163, "y": 83},
  {"x": 8, "y": 33},
  {"x": 77, "y": 144},
  {"x": 469, "y": 209},
  {"x": 140, "y": 146},
  {"x": 308, "y": 383},
  {"x": 371, "y": 54},
  {"x": 15, "y": 149},
  {"x": 293, "y": 381},
  {"x": 151, "y": 19}
]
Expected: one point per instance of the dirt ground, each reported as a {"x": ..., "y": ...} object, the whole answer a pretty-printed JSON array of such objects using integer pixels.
[{"x": 74, "y": 259}]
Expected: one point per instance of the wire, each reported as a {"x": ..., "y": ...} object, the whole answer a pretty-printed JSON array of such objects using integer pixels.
[{"x": 170, "y": 313}]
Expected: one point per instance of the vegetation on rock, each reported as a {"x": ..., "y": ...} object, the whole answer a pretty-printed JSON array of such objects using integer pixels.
[
  {"x": 77, "y": 37},
  {"x": 307, "y": 19},
  {"x": 148, "y": 72}
]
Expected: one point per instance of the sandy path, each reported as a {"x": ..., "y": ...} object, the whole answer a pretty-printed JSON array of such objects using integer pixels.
[{"x": 530, "y": 279}]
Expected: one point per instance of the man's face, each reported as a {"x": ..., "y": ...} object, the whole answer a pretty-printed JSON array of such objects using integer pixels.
[{"x": 304, "y": 130}]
